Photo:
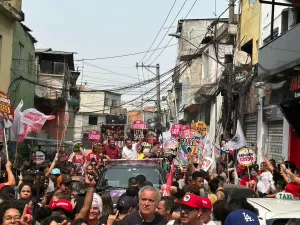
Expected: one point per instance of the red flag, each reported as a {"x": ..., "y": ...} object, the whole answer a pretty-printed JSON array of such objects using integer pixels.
[{"x": 169, "y": 180}]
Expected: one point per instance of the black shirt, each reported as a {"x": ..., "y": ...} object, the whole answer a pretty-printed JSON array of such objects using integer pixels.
[{"x": 136, "y": 219}]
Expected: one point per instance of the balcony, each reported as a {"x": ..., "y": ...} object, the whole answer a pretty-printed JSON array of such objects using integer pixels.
[{"x": 279, "y": 55}]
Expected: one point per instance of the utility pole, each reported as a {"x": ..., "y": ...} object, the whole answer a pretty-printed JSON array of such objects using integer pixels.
[
  {"x": 229, "y": 71},
  {"x": 158, "y": 92},
  {"x": 157, "y": 86}
]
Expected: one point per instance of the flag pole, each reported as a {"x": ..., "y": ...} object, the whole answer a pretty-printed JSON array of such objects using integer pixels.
[
  {"x": 5, "y": 144},
  {"x": 57, "y": 132}
]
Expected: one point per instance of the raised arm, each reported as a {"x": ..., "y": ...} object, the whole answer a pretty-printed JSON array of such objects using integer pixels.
[
  {"x": 85, "y": 211},
  {"x": 52, "y": 166},
  {"x": 11, "y": 178}
]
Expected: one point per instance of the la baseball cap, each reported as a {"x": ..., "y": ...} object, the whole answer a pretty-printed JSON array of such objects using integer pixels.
[
  {"x": 97, "y": 202},
  {"x": 64, "y": 178},
  {"x": 242, "y": 217},
  {"x": 62, "y": 204},
  {"x": 55, "y": 171},
  {"x": 127, "y": 203},
  {"x": 192, "y": 201},
  {"x": 206, "y": 203}
]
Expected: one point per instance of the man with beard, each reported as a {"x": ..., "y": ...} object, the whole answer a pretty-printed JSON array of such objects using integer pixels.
[
  {"x": 64, "y": 183},
  {"x": 129, "y": 150},
  {"x": 111, "y": 150},
  {"x": 148, "y": 201},
  {"x": 191, "y": 209}
]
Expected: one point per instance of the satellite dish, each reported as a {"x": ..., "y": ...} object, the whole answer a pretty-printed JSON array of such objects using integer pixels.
[
  {"x": 242, "y": 57},
  {"x": 41, "y": 91}
]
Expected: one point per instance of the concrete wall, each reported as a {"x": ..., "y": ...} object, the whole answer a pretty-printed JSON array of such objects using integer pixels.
[
  {"x": 82, "y": 126},
  {"x": 110, "y": 98},
  {"x": 22, "y": 90},
  {"x": 194, "y": 31},
  {"x": 250, "y": 24},
  {"x": 6, "y": 43},
  {"x": 91, "y": 102}
]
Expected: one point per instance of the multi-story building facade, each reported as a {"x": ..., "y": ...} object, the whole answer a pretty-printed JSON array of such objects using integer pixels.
[
  {"x": 95, "y": 107},
  {"x": 55, "y": 92},
  {"x": 187, "y": 81},
  {"x": 23, "y": 65},
  {"x": 278, "y": 79},
  {"x": 10, "y": 12}
]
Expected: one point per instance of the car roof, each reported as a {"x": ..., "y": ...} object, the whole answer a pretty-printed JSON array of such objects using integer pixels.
[
  {"x": 130, "y": 165},
  {"x": 275, "y": 205}
]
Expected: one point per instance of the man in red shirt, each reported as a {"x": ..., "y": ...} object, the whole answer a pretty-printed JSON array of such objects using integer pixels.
[{"x": 111, "y": 150}]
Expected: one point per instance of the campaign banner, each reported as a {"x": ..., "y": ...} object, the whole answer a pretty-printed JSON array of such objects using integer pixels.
[
  {"x": 176, "y": 130},
  {"x": 207, "y": 163},
  {"x": 39, "y": 157},
  {"x": 246, "y": 156},
  {"x": 94, "y": 136},
  {"x": 115, "y": 132},
  {"x": 139, "y": 124},
  {"x": 6, "y": 111}
]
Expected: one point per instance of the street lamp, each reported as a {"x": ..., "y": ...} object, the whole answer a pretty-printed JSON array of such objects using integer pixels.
[{"x": 177, "y": 35}]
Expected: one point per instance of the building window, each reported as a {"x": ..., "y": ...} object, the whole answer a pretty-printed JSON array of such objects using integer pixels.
[
  {"x": 30, "y": 63},
  {"x": 114, "y": 103},
  {"x": 106, "y": 102},
  {"x": 93, "y": 120},
  {"x": 20, "y": 58}
]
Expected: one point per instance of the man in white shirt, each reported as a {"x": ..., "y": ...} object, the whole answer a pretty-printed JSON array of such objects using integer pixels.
[{"x": 130, "y": 150}]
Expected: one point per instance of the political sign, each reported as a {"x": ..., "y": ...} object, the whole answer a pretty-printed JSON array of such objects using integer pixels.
[
  {"x": 39, "y": 157},
  {"x": 246, "y": 156},
  {"x": 94, "y": 136}
]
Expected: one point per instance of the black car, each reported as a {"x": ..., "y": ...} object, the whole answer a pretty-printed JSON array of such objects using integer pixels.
[{"x": 114, "y": 177}]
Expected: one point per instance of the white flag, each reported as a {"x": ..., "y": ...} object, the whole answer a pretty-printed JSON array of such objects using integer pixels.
[{"x": 238, "y": 141}]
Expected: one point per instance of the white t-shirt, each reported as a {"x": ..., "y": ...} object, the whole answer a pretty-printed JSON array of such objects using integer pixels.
[
  {"x": 130, "y": 153},
  {"x": 265, "y": 182},
  {"x": 171, "y": 222}
]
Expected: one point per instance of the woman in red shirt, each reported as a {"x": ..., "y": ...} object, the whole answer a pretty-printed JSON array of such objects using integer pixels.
[{"x": 292, "y": 180}]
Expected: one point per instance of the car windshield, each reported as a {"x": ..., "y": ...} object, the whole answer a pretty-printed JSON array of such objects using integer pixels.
[{"x": 119, "y": 176}]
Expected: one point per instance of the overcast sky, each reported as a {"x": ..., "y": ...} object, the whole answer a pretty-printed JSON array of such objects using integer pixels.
[{"x": 97, "y": 28}]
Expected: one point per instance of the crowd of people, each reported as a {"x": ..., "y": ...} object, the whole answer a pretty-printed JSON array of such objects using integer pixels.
[{"x": 50, "y": 194}]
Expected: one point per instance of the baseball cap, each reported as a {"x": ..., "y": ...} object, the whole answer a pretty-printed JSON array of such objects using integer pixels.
[
  {"x": 242, "y": 217},
  {"x": 97, "y": 202},
  {"x": 64, "y": 205},
  {"x": 192, "y": 201},
  {"x": 126, "y": 203},
  {"x": 64, "y": 178},
  {"x": 206, "y": 203},
  {"x": 55, "y": 171}
]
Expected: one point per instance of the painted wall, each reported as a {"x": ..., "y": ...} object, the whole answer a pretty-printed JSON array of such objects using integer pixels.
[
  {"x": 250, "y": 27},
  {"x": 21, "y": 89},
  {"x": 81, "y": 126},
  {"x": 193, "y": 31},
  {"x": 91, "y": 102},
  {"x": 6, "y": 43}
]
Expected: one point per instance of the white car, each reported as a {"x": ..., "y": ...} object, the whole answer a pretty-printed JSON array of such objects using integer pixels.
[{"x": 275, "y": 211}]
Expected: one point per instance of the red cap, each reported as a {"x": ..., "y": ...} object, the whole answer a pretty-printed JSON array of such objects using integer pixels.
[
  {"x": 206, "y": 203},
  {"x": 62, "y": 204},
  {"x": 192, "y": 201}
]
